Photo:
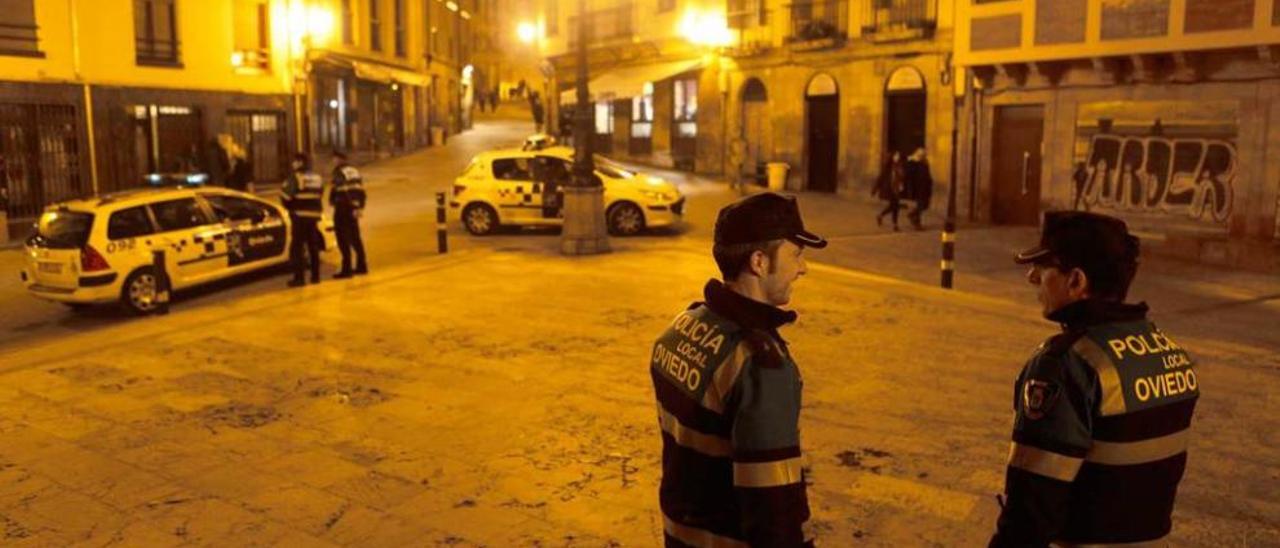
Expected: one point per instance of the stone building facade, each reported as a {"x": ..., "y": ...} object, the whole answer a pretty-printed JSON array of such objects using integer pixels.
[{"x": 1161, "y": 112}]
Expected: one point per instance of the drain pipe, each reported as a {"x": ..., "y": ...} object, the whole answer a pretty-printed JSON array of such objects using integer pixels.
[{"x": 73, "y": 8}]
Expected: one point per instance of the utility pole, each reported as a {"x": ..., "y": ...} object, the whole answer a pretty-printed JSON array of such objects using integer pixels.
[{"x": 584, "y": 231}]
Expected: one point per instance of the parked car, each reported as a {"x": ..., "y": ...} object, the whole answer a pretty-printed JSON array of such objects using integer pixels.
[
  {"x": 525, "y": 188},
  {"x": 100, "y": 249}
]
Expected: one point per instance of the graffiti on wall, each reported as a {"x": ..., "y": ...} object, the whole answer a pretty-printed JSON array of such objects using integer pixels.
[{"x": 1164, "y": 157}]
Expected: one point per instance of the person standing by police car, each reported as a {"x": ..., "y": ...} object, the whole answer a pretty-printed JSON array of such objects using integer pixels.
[
  {"x": 302, "y": 194},
  {"x": 347, "y": 198},
  {"x": 728, "y": 390},
  {"x": 1103, "y": 409}
]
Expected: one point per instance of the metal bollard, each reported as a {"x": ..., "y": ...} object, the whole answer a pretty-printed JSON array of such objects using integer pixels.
[
  {"x": 948, "y": 253},
  {"x": 442, "y": 236},
  {"x": 162, "y": 282}
]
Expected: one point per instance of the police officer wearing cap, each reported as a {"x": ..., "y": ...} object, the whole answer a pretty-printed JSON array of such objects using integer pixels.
[
  {"x": 1102, "y": 409},
  {"x": 348, "y": 199},
  {"x": 301, "y": 194},
  {"x": 728, "y": 390}
]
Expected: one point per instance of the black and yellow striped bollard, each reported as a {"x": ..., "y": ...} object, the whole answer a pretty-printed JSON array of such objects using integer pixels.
[
  {"x": 948, "y": 253},
  {"x": 442, "y": 235}
]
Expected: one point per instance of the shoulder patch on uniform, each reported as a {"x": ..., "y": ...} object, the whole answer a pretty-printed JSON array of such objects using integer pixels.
[
  {"x": 1038, "y": 397},
  {"x": 764, "y": 350}
]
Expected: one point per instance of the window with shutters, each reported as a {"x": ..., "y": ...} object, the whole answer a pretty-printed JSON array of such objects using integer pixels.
[
  {"x": 400, "y": 36},
  {"x": 375, "y": 26},
  {"x": 155, "y": 27},
  {"x": 18, "y": 28}
]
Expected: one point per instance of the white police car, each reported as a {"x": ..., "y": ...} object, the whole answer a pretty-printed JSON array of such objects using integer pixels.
[
  {"x": 99, "y": 249},
  {"x": 524, "y": 188}
]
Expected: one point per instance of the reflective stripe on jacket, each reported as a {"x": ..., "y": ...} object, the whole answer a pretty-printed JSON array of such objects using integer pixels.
[{"x": 302, "y": 195}]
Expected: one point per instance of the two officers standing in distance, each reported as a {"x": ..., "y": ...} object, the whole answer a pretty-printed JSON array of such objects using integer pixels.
[
  {"x": 1102, "y": 409},
  {"x": 303, "y": 194},
  {"x": 728, "y": 391}
]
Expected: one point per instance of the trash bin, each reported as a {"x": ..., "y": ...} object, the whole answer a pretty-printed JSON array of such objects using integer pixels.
[
  {"x": 437, "y": 135},
  {"x": 777, "y": 175}
]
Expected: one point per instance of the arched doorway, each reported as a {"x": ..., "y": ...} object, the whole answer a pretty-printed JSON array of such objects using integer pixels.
[
  {"x": 822, "y": 116},
  {"x": 906, "y": 109},
  {"x": 755, "y": 129}
]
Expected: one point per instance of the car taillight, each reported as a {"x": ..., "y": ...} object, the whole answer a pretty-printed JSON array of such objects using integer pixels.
[
  {"x": 91, "y": 260},
  {"x": 457, "y": 189}
]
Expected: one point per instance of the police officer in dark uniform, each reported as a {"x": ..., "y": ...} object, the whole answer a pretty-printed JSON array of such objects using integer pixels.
[
  {"x": 302, "y": 194},
  {"x": 347, "y": 198},
  {"x": 728, "y": 391},
  {"x": 1102, "y": 409}
]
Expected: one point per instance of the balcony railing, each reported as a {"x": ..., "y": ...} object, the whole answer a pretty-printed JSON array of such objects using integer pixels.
[
  {"x": 157, "y": 51},
  {"x": 823, "y": 21},
  {"x": 18, "y": 39},
  {"x": 900, "y": 17},
  {"x": 604, "y": 26},
  {"x": 753, "y": 32}
]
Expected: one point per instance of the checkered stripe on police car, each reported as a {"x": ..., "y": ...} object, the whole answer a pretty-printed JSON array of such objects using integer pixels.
[{"x": 519, "y": 191}]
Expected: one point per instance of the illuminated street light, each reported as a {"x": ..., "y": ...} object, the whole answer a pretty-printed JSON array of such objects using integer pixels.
[
  {"x": 527, "y": 32},
  {"x": 705, "y": 28}
]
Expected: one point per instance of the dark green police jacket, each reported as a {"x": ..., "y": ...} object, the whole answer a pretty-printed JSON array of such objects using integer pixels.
[
  {"x": 1102, "y": 417},
  {"x": 728, "y": 396}
]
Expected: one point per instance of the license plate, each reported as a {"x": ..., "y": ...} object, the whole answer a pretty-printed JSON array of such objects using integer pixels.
[{"x": 50, "y": 268}]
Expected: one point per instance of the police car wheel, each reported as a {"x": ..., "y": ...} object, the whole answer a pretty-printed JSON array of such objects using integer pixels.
[
  {"x": 625, "y": 219},
  {"x": 139, "y": 292},
  {"x": 480, "y": 219}
]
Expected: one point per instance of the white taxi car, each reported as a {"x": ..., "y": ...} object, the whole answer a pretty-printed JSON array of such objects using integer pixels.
[
  {"x": 99, "y": 250},
  {"x": 524, "y": 188}
]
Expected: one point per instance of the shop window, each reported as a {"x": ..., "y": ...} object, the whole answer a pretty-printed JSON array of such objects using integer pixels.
[
  {"x": 155, "y": 27},
  {"x": 686, "y": 107},
  {"x": 642, "y": 113},
  {"x": 18, "y": 29},
  {"x": 604, "y": 118},
  {"x": 252, "y": 34}
]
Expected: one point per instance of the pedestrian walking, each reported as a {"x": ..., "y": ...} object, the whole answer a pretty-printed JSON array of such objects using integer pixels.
[
  {"x": 301, "y": 195},
  {"x": 348, "y": 200},
  {"x": 889, "y": 187},
  {"x": 535, "y": 105},
  {"x": 1102, "y": 409},
  {"x": 1081, "y": 178},
  {"x": 919, "y": 182},
  {"x": 728, "y": 390}
]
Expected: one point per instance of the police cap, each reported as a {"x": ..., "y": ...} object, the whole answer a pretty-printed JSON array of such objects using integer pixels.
[
  {"x": 764, "y": 217},
  {"x": 1099, "y": 245}
]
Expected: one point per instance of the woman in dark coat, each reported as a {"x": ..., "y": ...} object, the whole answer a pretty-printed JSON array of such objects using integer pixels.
[{"x": 889, "y": 187}]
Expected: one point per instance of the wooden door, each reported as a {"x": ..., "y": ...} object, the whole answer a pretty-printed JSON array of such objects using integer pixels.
[
  {"x": 824, "y": 141},
  {"x": 1015, "y": 164}
]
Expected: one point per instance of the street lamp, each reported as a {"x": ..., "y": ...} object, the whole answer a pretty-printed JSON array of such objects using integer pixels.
[{"x": 584, "y": 230}]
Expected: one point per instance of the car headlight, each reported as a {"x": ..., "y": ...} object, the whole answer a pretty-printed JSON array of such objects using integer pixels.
[{"x": 657, "y": 195}]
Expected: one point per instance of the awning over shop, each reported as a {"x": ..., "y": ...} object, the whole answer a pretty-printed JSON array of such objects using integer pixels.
[
  {"x": 386, "y": 74},
  {"x": 372, "y": 71},
  {"x": 629, "y": 81}
]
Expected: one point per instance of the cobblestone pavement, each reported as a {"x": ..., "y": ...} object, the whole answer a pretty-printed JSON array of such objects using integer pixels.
[
  {"x": 501, "y": 398},
  {"x": 499, "y": 395}
]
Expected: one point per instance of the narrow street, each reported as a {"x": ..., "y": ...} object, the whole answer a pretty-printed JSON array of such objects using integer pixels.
[{"x": 499, "y": 395}]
